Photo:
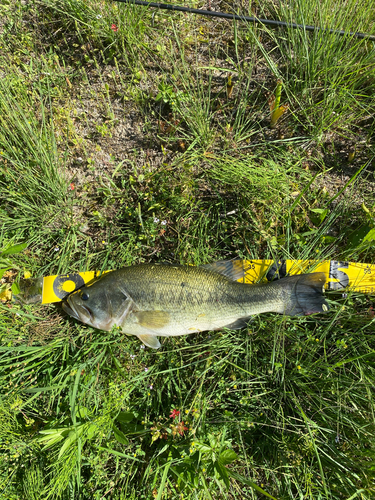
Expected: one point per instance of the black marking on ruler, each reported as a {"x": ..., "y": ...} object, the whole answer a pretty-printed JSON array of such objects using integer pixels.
[
  {"x": 277, "y": 271},
  {"x": 335, "y": 272},
  {"x": 63, "y": 278}
]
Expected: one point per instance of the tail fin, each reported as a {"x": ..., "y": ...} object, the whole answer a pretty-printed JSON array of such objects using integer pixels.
[{"x": 304, "y": 294}]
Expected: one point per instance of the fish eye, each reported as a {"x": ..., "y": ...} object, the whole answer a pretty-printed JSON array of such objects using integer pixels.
[{"x": 84, "y": 296}]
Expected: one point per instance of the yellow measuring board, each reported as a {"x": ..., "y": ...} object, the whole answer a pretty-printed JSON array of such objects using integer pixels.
[{"x": 343, "y": 276}]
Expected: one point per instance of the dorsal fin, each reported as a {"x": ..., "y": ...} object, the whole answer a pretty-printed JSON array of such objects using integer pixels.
[{"x": 232, "y": 269}]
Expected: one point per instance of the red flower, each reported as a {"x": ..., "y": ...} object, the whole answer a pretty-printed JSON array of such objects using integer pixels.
[
  {"x": 181, "y": 428},
  {"x": 114, "y": 27},
  {"x": 72, "y": 186},
  {"x": 174, "y": 413}
]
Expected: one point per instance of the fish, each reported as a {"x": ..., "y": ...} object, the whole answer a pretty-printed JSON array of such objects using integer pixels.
[{"x": 167, "y": 300}]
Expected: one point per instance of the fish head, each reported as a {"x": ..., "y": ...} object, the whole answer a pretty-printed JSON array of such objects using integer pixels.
[{"x": 99, "y": 305}]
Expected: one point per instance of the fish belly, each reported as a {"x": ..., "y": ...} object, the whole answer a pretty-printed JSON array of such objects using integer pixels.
[{"x": 171, "y": 323}]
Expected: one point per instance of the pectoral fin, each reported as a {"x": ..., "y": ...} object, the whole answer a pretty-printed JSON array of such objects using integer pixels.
[
  {"x": 152, "y": 319},
  {"x": 150, "y": 340}
]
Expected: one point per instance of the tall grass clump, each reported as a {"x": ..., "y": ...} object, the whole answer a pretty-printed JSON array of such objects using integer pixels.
[
  {"x": 32, "y": 189},
  {"x": 328, "y": 77},
  {"x": 108, "y": 30},
  {"x": 36, "y": 205}
]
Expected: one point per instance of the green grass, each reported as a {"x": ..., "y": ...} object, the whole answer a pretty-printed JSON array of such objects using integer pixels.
[{"x": 120, "y": 144}]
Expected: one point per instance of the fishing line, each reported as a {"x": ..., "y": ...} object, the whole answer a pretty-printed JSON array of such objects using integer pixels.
[{"x": 248, "y": 19}]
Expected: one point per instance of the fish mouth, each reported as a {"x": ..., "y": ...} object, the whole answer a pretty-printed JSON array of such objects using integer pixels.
[{"x": 78, "y": 311}]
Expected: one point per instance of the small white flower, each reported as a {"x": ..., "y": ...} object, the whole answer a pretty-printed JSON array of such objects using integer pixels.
[
  {"x": 146, "y": 369},
  {"x": 98, "y": 16},
  {"x": 57, "y": 249},
  {"x": 142, "y": 346},
  {"x": 156, "y": 220},
  {"x": 151, "y": 387},
  {"x": 163, "y": 222},
  {"x": 132, "y": 356}
]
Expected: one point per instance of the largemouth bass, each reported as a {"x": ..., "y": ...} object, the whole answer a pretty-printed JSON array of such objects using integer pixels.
[{"x": 151, "y": 300}]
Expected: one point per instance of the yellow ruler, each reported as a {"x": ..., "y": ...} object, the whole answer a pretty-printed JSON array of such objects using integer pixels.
[{"x": 341, "y": 276}]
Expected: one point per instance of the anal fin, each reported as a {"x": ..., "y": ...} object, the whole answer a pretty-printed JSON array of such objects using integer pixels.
[{"x": 238, "y": 324}]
